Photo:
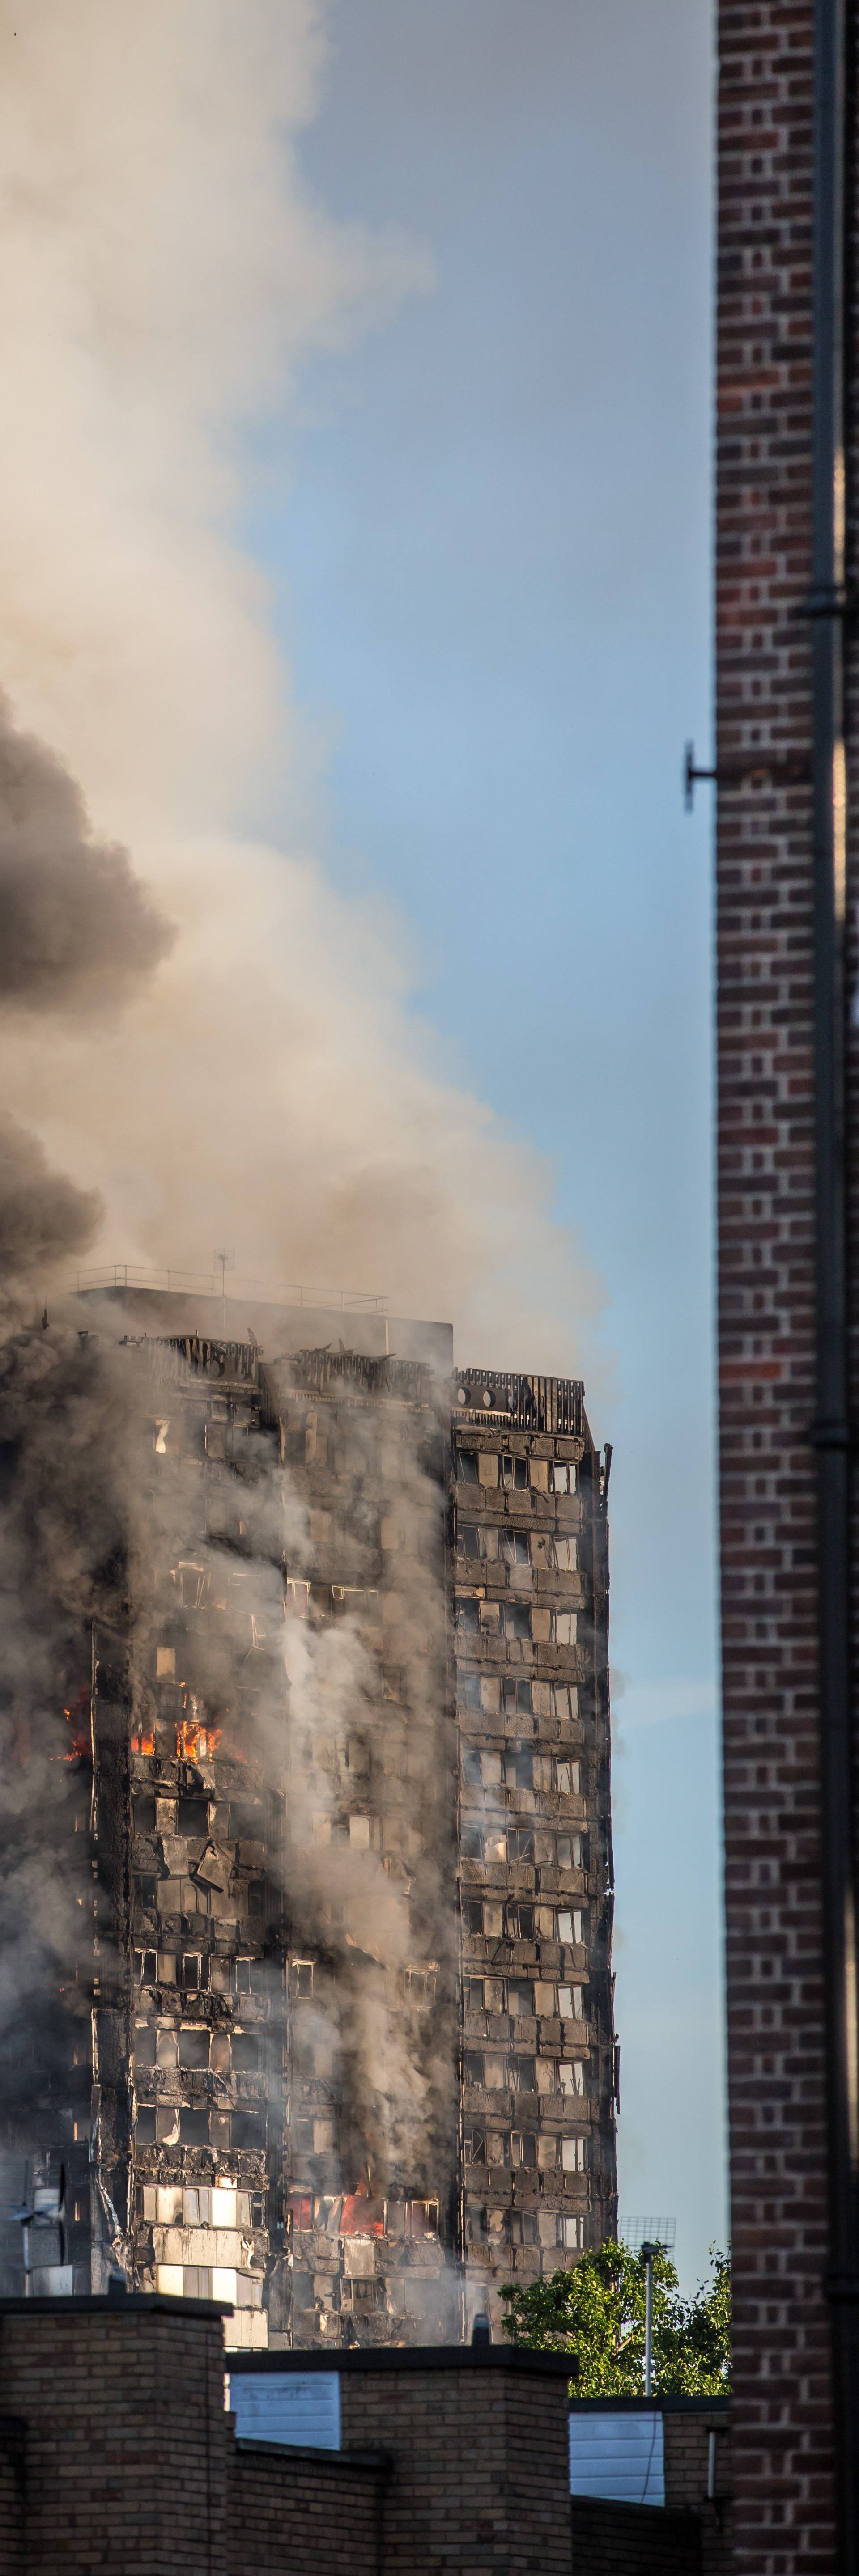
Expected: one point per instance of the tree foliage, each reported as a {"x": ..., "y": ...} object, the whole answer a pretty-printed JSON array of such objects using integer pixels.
[{"x": 595, "y": 2312}]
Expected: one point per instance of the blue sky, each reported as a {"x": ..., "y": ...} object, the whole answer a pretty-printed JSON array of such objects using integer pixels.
[{"x": 488, "y": 544}]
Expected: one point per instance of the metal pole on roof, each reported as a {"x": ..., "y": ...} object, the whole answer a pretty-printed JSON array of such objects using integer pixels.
[{"x": 648, "y": 2252}]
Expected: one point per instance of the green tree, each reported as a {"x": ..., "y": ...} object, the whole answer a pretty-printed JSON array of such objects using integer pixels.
[{"x": 595, "y": 2312}]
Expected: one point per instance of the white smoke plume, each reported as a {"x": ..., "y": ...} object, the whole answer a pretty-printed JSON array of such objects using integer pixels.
[{"x": 164, "y": 273}]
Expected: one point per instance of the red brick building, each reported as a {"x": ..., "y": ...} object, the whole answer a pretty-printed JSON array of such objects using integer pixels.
[{"x": 786, "y": 145}]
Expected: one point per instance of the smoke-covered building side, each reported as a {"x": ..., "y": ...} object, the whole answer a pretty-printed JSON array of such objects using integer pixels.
[
  {"x": 539, "y": 2059},
  {"x": 342, "y": 2053}
]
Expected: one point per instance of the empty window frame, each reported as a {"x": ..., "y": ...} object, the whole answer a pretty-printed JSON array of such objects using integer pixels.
[
  {"x": 569, "y": 2232},
  {"x": 563, "y": 1553},
  {"x": 146, "y": 1967},
  {"x": 571, "y": 2075},
  {"x": 468, "y": 1618},
  {"x": 564, "y": 1700},
  {"x": 523, "y": 2147},
  {"x": 522, "y": 2075},
  {"x": 514, "y": 1547},
  {"x": 471, "y": 1840},
  {"x": 468, "y": 1690},
  {"x": 472, "y": 1914},
  {"x": 420, "y": 1985},
  {"x": 515, "y": 1620},
  {"x": 520, "y": 1842},
  {"x": 519, "y": 1921},
  {"x": 194, "y": 2047},
  {"x": 562, "y": 1476},
  {"x": 568, "y": 1778},
  {"x": 569, "y": 1848},
  {"x": 516, "y": 1697},
  {"x": 570, "y": 1924},
  {"x": 471, "y": 1766},
  {"x": 520, "y": 1997},
  {"x": 473, "y": 1994},
  {"x": 472, "y": 2066},
  {"x": 474, "y": 2146},
  {"x": 573, "y": 2155},
  {"x": 519, "y": 1768},
  {"x": 466, "y": 1467},
  {"x": 301, "y": 1980},
  {"x": 514, "y": 1473}
]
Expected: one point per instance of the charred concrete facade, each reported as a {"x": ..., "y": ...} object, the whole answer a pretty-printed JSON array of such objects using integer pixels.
[
  {"x": 342, "y": 1781},
  {"x": 539, "y": 2071}
]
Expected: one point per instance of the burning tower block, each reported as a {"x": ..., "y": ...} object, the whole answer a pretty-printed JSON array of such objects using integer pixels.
[{"x": 352, "y": 2049}]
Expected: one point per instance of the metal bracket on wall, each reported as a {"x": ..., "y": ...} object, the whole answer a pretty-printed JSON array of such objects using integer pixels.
[{"x": 754, "y": 768}]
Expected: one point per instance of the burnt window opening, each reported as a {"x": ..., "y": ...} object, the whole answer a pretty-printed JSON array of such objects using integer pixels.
[
  {"x": 247, "y": 2052},
  {"x": 519, "y": 1768},
  {"x": 516, "y": 1697},
  {"x": 468, "y": 1690},
  {"x": 564, "y": 1554},
  {"x": 473, "y": 1995},
  {"x": 515, "y": 1619},
  {"x": 567, "y": 1777},
  {"x": 144, "y": 1815},
  {"x": 194, "y": 2127},
  {"x": 563, "y": 1476},
  {"x": 421, "y": 2218},
  {"x": 192, "y": 1815},
  {"x": 194, "y": 2048},
  {"x": 472, "y": 1842},
  {"x": 247, "y": 2130},
  {"x": 392, "y": 1682},
  {"x": 472, "y": 2066},
  {"x": 468, "y": 1618},
  {"x": 474, "y": 2146},
  {"x": 144, "y": 2044},
  {"x": 523, "y": 2227},
  {"x": 519, "y": 1922},
  {"x": 515, "y": 1547},
  {"x": 522, "y": 2075},
  {"x": 472, "y": 1914},
  {"x": 564, "y": 1700},
  {"x": 466, "y": 1467},
  {"x": 300, "y": 1979},
  {"x": 256, "y": 1896},
  {"x": 145, "y": 1887},
  {"x": 523, "y": 2147},
  {"x": 520, "y": 1842},
  {"x": 471, "y": 1767},
  {"x": 514, "y": 1473},
  {"x": 520, "y": 1997},
  {"x": 145, "y": 2126},
  {"x": 571, "y": 1851},
  {"x": 191, "y": 1976},
  {"x": 146, "y": 1967},
  {"x": 419, "y": 1985}
]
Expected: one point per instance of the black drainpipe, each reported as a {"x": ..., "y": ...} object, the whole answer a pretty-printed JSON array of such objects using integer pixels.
[{"x": 826, "y": 608}]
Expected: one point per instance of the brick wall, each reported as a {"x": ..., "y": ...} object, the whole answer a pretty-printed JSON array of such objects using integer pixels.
[
  {"x": 480, "y": 2466},
  {"x": 11, "y": 2496},
  {"x": 312, "y": 2510},
  {"x": 782, "y": 2462},
  {"x": 126, "y": 2437},
  {"x": 131, "y": 2464},
  {"x": 632, "y": 2540}
]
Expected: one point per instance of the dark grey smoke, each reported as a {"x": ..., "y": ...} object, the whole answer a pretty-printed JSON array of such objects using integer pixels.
[
  {"x": 44, "y": 1218},
  {"x": 77, "y": 927}
]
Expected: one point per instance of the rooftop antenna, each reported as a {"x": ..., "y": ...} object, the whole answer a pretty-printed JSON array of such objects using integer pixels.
[
  {"x": 648, "y": 2237},
  {"x": 228, "y": 1262}
]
